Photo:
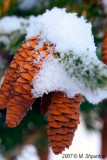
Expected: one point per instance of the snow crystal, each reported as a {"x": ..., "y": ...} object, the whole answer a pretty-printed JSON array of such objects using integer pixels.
[{"x": 65, "y": 30}]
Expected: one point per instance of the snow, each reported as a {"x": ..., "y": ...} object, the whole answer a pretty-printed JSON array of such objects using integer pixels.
[
  {"x": 25, "y": 5},
  {"x": 1, "y": 157},
  {"x": 45, "y": 82},
  {"x": 2, "y": 62},
  {"x": 53, "y": 77},
  {"x": 28, "y": 152},
  {"x": 9, "y": 24},
  {"x": 14, "y": 24},
  {"x": 4, "y": 40},
  {"x": 105, "y": 5},
  {"x": 37, "y": 4},
  {"x": 65, "y": 30},
  {"x": 69, "y": 34}
]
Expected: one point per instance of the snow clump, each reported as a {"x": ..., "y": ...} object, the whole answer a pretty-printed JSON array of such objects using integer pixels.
[{"x": 70, "y": 34}]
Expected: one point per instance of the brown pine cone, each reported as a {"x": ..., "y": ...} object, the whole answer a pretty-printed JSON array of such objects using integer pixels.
[
  {"x": 104, "y": 48},
  {"x": 21, "y": 96},
  {"x": 12, "y": 73},
  {"x": 63, "y": 120}
]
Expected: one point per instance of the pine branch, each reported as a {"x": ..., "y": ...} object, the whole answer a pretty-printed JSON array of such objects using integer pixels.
[{"x": 90, "y": 71}]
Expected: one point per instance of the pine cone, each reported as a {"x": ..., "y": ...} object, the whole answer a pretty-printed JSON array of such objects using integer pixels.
[
  {"x": 21, "y": 97},
  {"x": 11, "y": 75},
  {"x": 104, "y": 48},
  {"x": 63, "y": 119}
]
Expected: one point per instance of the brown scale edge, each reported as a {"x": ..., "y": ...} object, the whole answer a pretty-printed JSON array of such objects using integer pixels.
[
  {"x": 21, "y": 96},
  {"x": 63, "y": 120},
  {"x": 13, "y": 72}
]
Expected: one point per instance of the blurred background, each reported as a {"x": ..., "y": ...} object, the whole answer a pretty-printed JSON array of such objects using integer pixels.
[{"x": 29, "y": 140}]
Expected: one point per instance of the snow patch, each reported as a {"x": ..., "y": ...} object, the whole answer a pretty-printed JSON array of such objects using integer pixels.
[{"x": 14, "y": 23}]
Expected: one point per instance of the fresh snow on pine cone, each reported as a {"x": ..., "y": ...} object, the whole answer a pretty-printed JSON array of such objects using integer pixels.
[
  {"x": 71, "y": 35},
  {"x": 65, "y": 30}
]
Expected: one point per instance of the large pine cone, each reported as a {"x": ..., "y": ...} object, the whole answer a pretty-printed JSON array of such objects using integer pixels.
[{"x": 17, "y": 85}]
